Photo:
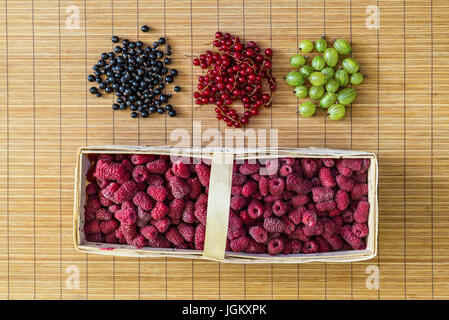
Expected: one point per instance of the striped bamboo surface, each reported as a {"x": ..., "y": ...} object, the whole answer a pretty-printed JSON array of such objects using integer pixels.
[{"x": 401, "y": 113}]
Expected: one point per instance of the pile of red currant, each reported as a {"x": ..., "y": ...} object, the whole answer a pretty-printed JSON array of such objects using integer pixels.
[{"x": 236, "y": 72}]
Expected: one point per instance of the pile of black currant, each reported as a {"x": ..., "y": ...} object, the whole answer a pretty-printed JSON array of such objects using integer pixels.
[{"x": 138, "y": 74}]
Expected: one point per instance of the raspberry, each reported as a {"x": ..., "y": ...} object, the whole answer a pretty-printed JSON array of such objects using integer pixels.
[
  {"x": 360, "y": 177},
  {"x": 234, "y": 221},
  {"x": 110, "y": 238},
  {"x": 158, "y": 193},
  {"x": 296, "y": 215},
  {"x": 310, "y": 247},
  {"x": 126, "y": 216},
  {"x": 180, "y": 169},
  {"x": 249, "y": 188},
  {"x": 103, "y": 214},
  {"x": 289, "y": 225},
  {"x": 322, "y": 194},
  {"x": 342, "y": 199},
  {"x": 127, "y": 164},
  {"x": 109, "y": 170},
  {"x": 201, "y": 213},
  {"x": 365, "y": 165},
  {"x": 238, "y": 203},
  {"x": 345, "y": 183},
  {"x": 140, "y": 174},
  {"x": 316, "y": 230},
  {"x": 92, "y": 227},
  {"x": 334, "y": 241},
  {"x": 176, "y": 208},
  {"x": 255, "y": 248},
  {"x": 195, "y": 187},
  {"x": 91, "y": 188},
  {"x": 138, "y": 241},
  {"x": 329, "y": 226},
  {"x": 109, "y": 191},
  {"x": 113, "y": 208},
  {"x": 187, "y": 231},
  {"x": 249, "y": 168},
  {"x": 187, "y": 215},
  {"x": 359, "y": 190},
  {"x": 162, "y": 225},
  {"x": 168, "y": 175},
  {"x": 200, "y": 236},
  {"x": 108, "y": 226},
  {"x": 299, "y": 200},
  {"x": 90, "y": 174},
  {"x": 360, "y": 229},
  {"x": 279, "y": 208},
  {"x": 272, "y": 166},
  {"x": 202, "y": 199},
  {"x": 125, "y": 192},
  {"x": 105, "y": 202},
  {"x": 309, "y": 167},
  {"x": 296, "y": 246},
  {"x": 203, "y": 173},
  {"x": 255, "y": 177},
  {"x": 246, "y": 219},
  {"x": 126, "y": 231},
  {"x": 155, "y": 180},
  {"x": 259, "y": 234},
  {"x": 325, "y": 206},
  {"x": 90, "y": 213},
  {"x": 179, "y": 188},
  {"x": 326, "y": 178},
  {"x": 239, "y": 244},
  {"x": 128, "y": 205},
  {"x": 263, "y": 186},
  {"x": 328, "y": 162},
  {"x": 238, "y": 179},
  {"x": 351, "y": 238},
  {"x": 102, "y": 183},
  {"x": 344, "y": 171},
  {"x": 348, "y": 216},
  {"x": 298, "y": 234},
  {"x": 141, "y": 200},
  {"x": 137, "y": 159},
  {"x": 276, "y": 186},
  {"x": 285, "y": 170},
  {"x": 236, "y": 233},
  {"x": 174, "y": 236},
  {"x": 159, "y": 211},
  {"x": 143, "y": 217},
  {"x": 287, "y": 195},
  {"x": 353, "y": 164},
  {"x": 157, "y": 166},
  {"x": 338, "y": 220},
  {"x": 323, "y": 246},
  {"x": 159, "y": 242},
  {"x": 275, "y": 246},
  {"x": 255, "y": 209},
  {"x": 95, "y": 237},
  {"x": 267, "y": 210},
  {"x": 273, "y": 224},
  {"x": 334, "y": 213},
  {"x": 309, "y": 218},
  {"x": 236, "y": 190},
  {"x": 296, "y": 183},
  {"x": 362, "y": 211}
]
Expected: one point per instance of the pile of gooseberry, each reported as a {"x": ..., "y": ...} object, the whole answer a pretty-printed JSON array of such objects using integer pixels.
[{"x": 325, "y": 80}]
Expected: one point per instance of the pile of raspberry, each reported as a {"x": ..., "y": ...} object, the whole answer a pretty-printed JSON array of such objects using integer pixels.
[
  {"x": 147, "y": 201},
  {"x": 299, "y": 206}
]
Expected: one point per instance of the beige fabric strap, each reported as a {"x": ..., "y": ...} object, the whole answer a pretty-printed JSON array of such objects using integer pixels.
[{"x": 219, "y": 201}]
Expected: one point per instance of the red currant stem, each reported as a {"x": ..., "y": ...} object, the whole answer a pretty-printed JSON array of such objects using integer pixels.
[{"x": 224, "y": 114}]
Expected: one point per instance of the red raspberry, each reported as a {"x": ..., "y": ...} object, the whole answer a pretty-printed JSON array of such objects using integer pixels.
[
  {"x": 95, "y": 237},
  {"x": 353, "y": 164},
  {"x": 338, "y": 220},
  {"x": 310, "y": 247},
  {"x": 238, "y": 179},
  {"x": 174, "y": 236},
  {"x": 289, "y": 225},
  {"x": 102, "y": 183},
  {"x": 316, "y": 230},
  {"x": 359, "y": 190},
  {"x": 138, "y": 241},
  {"x": 259, "y": 234},
  {"x": 345, "y": 183},
  {"x": 90, "y": 174},
  {"x": 328, "y": 162},
  {"x": 195, "y": 187},
  {"x": 108, "y": 226},
  {"x": 141, "y": 200},
  {"x": 323, "y": 246},
  {"x": 125, "y": 192},
  {"x": 249, "y": 188},
  {"x": 322, "y": 194},
  {"x": 309, "y": 218},
  {"x": 342, "y": 199},
  {"x": 157, "y": 166},
  {"x": 344, "y": 171},
  {"x": 188, "y": 215},
  {"x": 316, "y": 182},
  {"x": 360, "y": 229},
  {"x": 255, "y": 209},
  {"x": 126, "y": 216},
  {"x": 187, "y": 231},
  {"x": 309, "y": 167},
  {"x": 351, "y": 238},
  {"x": 285, "y": 170},
  {"x": 179, "y": 188},
  {"x": 176, "y": 208},
  {"x": 92, "y": 227},
  {"x": 203, "y": 173},
  {"x": 109, "y": 191},
  {"x": 263, "y": 186},
  {"x": 91, "y": 188},
  {"x": 246, "y": 219},
  {"x": 158, "y": 193},
  {"x": 159, "y": 211},
  {"x": 238, "y": 202},
  {"x": 348, "y": 216},
  {"x": 126, "y": 231},
  {"x": 239, "y": 244},
  {"x": 143, "y": 217},
  {"x": 299, "y": 200},
  {"x": 236, "y": 190},
  {"x": 273, "y": 224},
  {"x": 296, "y": 246},
  {"x": 249, "y": 168},
  {"x": 295, "y": 183},
  {"x": 200, "y": 236},
  {"x": 276, "y": 186},
  {"x": 288, "y": 161},
  {"x": 109, "y": 170},
  {"x": 113, "y": 208},
  {"x": 159, "y": 242},
  {"x": 255, "y": 248},
  {"x": 325, "y": 206},
  {"x": 267, "y": 210},
  {"x": 360, "y": 177},
  {"x": 334, "y": 241},
  {"x": 234, "y": 221},
  {"x": 298, "y": 234},
  {"x": 272, "y": 166},
  {"x": 326, "y": 178},
  {"x": 288, "y": 195},
  {"x": 155, "y": 180},
  {"x": 110, "y": 238},
  {"x": 127, "y": 164},
  {"x": 168, "y": 174},
  {"x": 137, "y": 159},
  {"x": 105, "y": 202},
  {"x": 296, "y": 215},
  {"x": 279, "y": 208},
  {"x": 329, "y": 226},
  {"x": 236, "y": 233},
  {"x": 128, "y": 205},
  {"x": 140, "y": 174},
  {"x": 365, "y": 165},
  {"x": 255, "y": 177},
  {"x": 103, "y": 214},
  {"x": 180, "y": 169},
  {"x": 275, "y": 246},
  {"x": 162, "y": 225},
  {"x": 202, "y": 199},
  {"x": 362, "y": 211},
  {"x": 201, "y": 214}
]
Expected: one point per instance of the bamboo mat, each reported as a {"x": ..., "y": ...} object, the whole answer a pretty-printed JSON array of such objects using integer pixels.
[{"x": 401, "y": 114}]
